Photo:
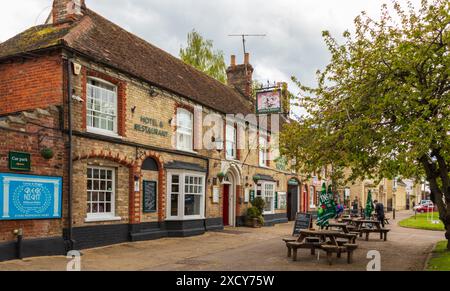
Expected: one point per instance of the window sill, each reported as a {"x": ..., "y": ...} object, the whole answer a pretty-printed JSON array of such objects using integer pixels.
[
  {"x": 187, "y": 151},
  {"x": 185, "y": 218},
  {"x": 103, "y": 132},
  {"x": 102, "y": 219}
]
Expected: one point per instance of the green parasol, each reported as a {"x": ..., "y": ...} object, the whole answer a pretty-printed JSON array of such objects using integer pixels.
[
  {"x": 327, "y": 209},
  {"x": 369, "y": 205}
]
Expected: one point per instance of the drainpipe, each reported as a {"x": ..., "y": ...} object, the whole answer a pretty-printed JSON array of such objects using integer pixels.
[{"x": 69, "y": 147}]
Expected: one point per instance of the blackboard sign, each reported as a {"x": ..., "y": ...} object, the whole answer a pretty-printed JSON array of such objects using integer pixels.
[
  {"x": 303, "y": 221},
  {"x": 150, "y": 196}
]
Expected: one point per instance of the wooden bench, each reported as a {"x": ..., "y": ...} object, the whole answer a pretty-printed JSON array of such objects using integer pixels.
[
  {"x": 294, "y": 246},
  {"x": 382, "y": 231},
  {"x": 345, "y": 248},
  {"x": 289, "y": 240}
]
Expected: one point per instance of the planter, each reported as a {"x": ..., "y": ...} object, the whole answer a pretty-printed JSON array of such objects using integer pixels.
[
  {"x": 252, "y": 222},
  {"x": 47, "y": 153}
]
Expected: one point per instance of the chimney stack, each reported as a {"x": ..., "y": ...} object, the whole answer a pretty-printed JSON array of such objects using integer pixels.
[
  {"x": 67, "y": 10},
  {"x": 241, "y": 76}
]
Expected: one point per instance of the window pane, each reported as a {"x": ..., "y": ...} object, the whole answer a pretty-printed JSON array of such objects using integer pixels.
[
  {"x": 192, "y": 205},
  {"x": 100, "y": 191},
  {"x": 174, "y": 205}
]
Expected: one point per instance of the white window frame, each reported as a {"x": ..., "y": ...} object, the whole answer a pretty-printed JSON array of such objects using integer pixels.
[
  {"x": 233, "y": 141},
  {"x": 97, "y": 130},
  {"x": 181, "y": 195},
  {"x": 312, "y": 196},
  {"x": 107, "y": 216},
  {"x": 264, "y": 194},
  {"x": 262, "y": 151},
  {"x": 185, "y": 130}
]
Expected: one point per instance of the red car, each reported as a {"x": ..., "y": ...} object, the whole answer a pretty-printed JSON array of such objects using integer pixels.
[{"x": 426, "y": 208}]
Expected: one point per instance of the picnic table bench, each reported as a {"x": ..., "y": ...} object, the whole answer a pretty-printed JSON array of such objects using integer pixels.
[
  {"x": 324, "y": 240},
  {"x": 376, "y": 228}
]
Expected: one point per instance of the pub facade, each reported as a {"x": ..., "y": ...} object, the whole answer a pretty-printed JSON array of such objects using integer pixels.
[{"x": 138, "y": 145}]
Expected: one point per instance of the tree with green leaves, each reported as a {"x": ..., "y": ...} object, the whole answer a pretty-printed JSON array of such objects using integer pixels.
[
  {"x": 200, "y": 54},
  {"x": 382, "y": 105}
]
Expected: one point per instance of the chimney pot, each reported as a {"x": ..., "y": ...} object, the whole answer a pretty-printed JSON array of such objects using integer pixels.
[
  {"x": 247, "y": 59},
  {"x": 233, "y": 60}
]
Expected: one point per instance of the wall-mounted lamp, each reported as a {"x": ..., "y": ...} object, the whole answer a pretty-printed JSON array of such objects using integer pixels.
[
  {"x": 137, "y": 187},
  {"x": 133, "y": 109}
]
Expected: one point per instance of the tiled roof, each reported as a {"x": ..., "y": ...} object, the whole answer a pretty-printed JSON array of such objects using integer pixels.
[{"x": 105, "y": 42}]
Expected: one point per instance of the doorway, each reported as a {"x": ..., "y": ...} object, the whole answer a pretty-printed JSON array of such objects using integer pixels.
[
  {"x": 292, "y": 202},
  {"x": 226, "y": 205}
]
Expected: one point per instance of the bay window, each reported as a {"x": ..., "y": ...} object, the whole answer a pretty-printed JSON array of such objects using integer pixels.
[
  {"x": 266, "y": 190},
  {"x": 101, "y": 107},
  {"x": 231, "y": 142},
  {"x": 186, "y": 195},
  {"x": 184, "y": 133}
]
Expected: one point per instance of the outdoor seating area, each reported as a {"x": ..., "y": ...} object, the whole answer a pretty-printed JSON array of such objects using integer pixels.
[
  {"x": 338, "y": 237},
  {"x": 336, "y": 232}
]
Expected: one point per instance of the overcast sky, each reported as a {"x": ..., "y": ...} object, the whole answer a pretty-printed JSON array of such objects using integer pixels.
[{"x": 293, "y": 45}]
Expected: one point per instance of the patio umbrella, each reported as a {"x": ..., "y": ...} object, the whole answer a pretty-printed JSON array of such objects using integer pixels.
[
  {"x": 327, "y": 209},
  {"x": 369, "y": 205}
]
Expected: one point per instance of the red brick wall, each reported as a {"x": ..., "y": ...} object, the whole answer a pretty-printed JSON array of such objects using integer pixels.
[
  {"x": 31, "y": 84},
  {"x": 32, "y": 142}
]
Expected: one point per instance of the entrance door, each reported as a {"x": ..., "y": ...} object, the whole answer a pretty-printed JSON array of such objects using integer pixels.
[
  {"x": 292, "y": 201},
  {"x": 226, "y": 205}
]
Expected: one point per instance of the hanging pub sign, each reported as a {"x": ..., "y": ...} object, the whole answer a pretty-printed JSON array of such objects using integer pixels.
[
  {"x": 268, "y": 101},
  {"x": 150, "y": 196},
  {"x": 19, "y": 161},
  {"x": 30, "y": 197}
]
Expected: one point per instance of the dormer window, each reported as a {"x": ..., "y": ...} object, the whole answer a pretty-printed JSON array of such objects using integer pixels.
[{"x": 101, "y": 107}]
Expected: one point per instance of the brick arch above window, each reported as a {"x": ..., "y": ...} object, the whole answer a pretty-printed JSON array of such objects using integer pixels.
[
  {"x": 107, "y": 155},
  {"x": 121, "y": 97}
]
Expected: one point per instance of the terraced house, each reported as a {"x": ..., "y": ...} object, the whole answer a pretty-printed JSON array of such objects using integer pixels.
[{"x": 108, "y": 132}]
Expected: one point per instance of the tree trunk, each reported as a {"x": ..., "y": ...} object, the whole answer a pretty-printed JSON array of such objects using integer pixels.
[{"x": 438, "y": 194}]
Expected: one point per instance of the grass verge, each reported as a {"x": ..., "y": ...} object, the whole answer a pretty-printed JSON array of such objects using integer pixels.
[
  {"x": 440, "y": 259},
  {"x": 421, "y": 222}
]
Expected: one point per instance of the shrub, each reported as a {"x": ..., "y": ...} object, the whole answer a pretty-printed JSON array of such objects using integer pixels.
[{"x": 259, "y": 203}]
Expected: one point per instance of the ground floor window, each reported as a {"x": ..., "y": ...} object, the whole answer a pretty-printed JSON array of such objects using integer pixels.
[
  {"x": 100, "y": 192},
  {"x": 186, "y": 195},
  {"x": 268, "y": 194}
]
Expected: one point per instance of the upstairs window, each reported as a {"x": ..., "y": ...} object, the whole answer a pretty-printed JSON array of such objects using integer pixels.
[
  {"x": 231, "y": 142},
  {"x": 262, "y": 151},
  {"x": 101, "y": 106},
  {"x": 184, "y": 130}
]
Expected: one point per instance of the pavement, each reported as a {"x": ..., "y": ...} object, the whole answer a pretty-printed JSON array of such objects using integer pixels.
[{"x": 244, "y": 249}]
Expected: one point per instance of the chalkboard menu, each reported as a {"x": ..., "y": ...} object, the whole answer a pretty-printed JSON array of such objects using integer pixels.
[
  {"x": 303, "y": 221},
  {"x": 150, "y": 196}
]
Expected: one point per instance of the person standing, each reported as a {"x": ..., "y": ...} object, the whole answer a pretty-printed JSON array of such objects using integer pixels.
[{"x": 379, "y": 210}]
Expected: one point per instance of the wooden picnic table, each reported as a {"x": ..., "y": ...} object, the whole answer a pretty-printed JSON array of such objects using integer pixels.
[
  {"x": 327, "y": 240},
  {"x": 362, "y": 227},
  {"x": 346, "y": 228}
]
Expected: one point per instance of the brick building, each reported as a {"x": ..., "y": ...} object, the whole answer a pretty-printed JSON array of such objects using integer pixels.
[{"x": 129, "y": 122}]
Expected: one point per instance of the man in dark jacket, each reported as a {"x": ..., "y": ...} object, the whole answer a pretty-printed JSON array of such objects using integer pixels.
[{"x": 379, "y": 210}]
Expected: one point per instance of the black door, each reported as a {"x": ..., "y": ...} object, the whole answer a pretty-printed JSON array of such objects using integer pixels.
[{"x": 292, "y": 202}]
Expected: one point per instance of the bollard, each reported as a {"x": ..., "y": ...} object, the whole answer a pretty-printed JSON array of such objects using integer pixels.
[{"x": 19, "y": 234}]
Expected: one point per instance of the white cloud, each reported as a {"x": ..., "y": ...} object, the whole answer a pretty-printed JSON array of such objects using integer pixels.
[{"x": 293, "y": 45}]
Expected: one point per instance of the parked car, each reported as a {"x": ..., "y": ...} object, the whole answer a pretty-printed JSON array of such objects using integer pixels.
[
  {"x": 426, "y": 208},
  {"x": 422, "y": 203}
]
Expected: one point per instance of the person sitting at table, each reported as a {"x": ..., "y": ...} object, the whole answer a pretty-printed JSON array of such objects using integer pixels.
[{"x": 379, "y": 210}]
